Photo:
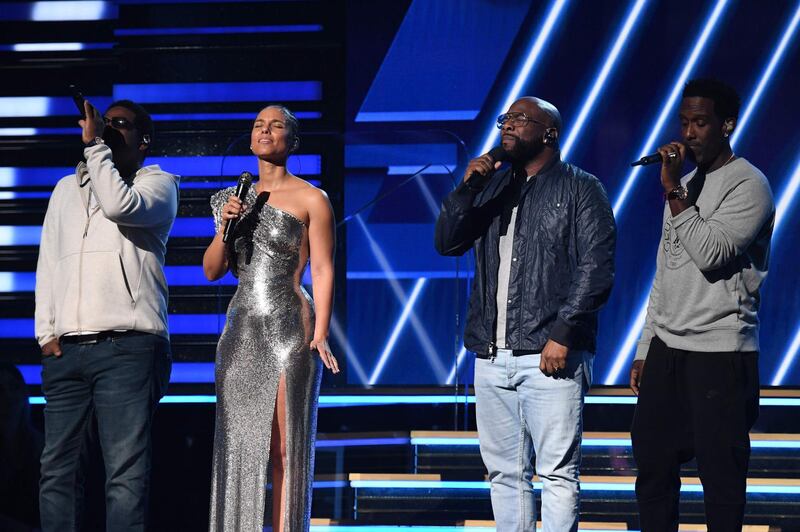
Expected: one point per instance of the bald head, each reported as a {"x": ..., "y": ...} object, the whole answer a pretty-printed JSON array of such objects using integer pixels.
[{"x": 546, "y": 108}]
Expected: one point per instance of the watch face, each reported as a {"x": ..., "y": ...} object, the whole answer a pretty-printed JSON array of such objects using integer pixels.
[{"x": 678, "y": 193}]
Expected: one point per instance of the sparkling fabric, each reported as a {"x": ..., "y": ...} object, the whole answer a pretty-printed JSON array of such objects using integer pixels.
[{"x": 269, "y": 327}]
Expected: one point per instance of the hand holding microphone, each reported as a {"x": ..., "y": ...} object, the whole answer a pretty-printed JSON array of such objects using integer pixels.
[
  {"x": 234, "y": 208},
  {"x": 672, "y": 156},
  {"x": 481, "y": 169}
]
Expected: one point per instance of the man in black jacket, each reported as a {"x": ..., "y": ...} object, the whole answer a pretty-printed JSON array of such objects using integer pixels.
[{"x": 544, "y": 238}]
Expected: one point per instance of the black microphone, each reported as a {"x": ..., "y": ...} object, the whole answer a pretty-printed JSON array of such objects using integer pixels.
[
  {"x": 242, "y": 187},
  {"x": 652, "y": 159},
  {"x": 476, "y": 181}
]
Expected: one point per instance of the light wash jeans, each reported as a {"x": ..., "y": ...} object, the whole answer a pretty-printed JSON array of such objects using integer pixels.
[{"x": 521, "y": 411}]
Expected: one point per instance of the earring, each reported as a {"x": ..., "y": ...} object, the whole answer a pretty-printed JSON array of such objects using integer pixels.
[{"x": 251, "y": 147}]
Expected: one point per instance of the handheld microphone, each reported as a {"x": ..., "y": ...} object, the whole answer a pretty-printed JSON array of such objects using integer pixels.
[
  {"x": 652, "y": 159},
  {"x": 242, "y": 187},
  {"x": 475, "y": 180}
]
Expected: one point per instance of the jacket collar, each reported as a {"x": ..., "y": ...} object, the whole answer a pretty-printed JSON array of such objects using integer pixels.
[{"x": 554, "y": 162}]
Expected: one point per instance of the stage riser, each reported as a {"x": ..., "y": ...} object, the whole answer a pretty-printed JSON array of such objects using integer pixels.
[{"x": 464, "y": 462}]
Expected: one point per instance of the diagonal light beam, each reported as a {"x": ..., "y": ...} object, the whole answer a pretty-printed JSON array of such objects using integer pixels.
[
  {"x": 401, "y": 322},
  {"x": 353, "y": 360},
  {"x": 788, "y": 358},
  {"x": 602, "y": 76},
  {"x": 777, "y": 55},
  {"x": 523, "y": 76},
  {"x": 785, "y": 200},
  {"x": 459, "y": 359},
  {"x": 666, "y": 111},
  {"x": 419, "y": 329}
]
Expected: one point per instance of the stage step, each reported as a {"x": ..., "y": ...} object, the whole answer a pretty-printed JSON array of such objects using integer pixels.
[
  {"x": 428, "y": 499},
  {"x": 604, "y": 453}
]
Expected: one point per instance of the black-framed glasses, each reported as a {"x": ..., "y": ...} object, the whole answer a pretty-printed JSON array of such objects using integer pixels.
[
  {"x": 516, "y": 119},
  {"x": 118, "y": 122}
]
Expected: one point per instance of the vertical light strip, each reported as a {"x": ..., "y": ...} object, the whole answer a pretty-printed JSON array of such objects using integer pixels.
[
  {"x": 788, "y": 358},
  {"x": 401, "y": 321},
  {"x": 666, "y": 111},
  {"x": 602, "y": 77},
  {"x": 523, "y": 76},
  {"x": 777, "y": 55}
]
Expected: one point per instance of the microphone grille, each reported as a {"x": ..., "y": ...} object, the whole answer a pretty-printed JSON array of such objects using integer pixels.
[
  {"x": 498, "y": 154},
  {"x": 246, "y": 177}
]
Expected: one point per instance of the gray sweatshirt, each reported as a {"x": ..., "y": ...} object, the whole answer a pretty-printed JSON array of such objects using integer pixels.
[
  {"x": 711, "y": 262},
  {"x": 101, "y": 263}
]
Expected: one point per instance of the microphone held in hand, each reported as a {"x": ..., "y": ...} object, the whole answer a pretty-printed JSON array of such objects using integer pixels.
[
  {"x": 476, "y": 180},
  {"x": 242, "y": 187},
  {"x": 652, "y": 159}
]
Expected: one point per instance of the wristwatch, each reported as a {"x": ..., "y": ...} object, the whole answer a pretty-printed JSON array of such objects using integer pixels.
[
  {"x": 94, "y": 142},
  {"x": 679, "y": 193}
]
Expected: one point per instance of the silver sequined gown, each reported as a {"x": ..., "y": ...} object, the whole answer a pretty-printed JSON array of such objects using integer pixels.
[{"x": 269, "y": 327}]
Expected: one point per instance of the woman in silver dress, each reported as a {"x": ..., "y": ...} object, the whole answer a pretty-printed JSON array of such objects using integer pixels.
[{"x": 275, "y": 341}]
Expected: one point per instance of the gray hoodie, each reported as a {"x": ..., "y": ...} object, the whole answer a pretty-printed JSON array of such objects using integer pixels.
[
  {"x": 101, "y": 265},
  {"x": 711, "y": 262}
]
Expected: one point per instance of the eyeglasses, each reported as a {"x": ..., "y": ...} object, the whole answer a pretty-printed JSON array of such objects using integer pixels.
[
  {"x": 516, "y": 119},
  {"x": 118, "y": 122}
]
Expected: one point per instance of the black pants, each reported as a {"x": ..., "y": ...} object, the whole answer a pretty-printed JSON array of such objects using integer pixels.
[{"x": 694, "y": 405}]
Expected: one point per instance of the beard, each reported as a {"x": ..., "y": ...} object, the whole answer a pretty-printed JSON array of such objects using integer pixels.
[{"x": 523, "y": 151}]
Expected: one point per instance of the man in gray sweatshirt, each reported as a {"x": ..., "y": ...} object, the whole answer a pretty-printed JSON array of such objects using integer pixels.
[
  {"x": 696, "y": 365},
  {"x": 101, "y": 317}
]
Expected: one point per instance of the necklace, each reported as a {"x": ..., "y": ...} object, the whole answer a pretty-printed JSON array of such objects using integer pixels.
[{"x": 729, "y": 159}]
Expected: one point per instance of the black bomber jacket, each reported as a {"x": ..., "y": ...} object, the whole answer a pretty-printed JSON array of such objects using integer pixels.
[{"x": 564, "y": 240}]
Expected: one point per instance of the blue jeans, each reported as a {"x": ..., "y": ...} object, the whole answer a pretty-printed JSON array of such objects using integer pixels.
[
  {"x": 521, "y": 411},
  {"x": 118, "y": 381}
]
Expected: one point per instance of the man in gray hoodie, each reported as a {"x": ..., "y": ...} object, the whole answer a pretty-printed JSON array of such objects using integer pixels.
[
  {"x": 101, "y": 317},
  {"x": 696, "y": 365}
]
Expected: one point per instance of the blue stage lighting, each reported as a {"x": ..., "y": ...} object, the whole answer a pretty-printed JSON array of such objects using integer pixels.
[
  {"x": 787, "y": 196},
  {"x": 256, "y": 91},
  {"x": 416, "y": 116},
  {"x": 459, "y": 358},
  {"x": 788, "y": 359},
  {"x": 523, "y": 76},
  {"x": 777, "y": 54},
  {"x": 605, "y": 71},
  {"x": 621, "y": 358},
  {"x": 72, "y": 10},
  {"x": 218, "y": 30},
  {"x": 666, "y": 111},
  {"x": 401, "y": 321},
  {"x": 420, "y": 330},
  {"x": 301, "y": 115}
]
